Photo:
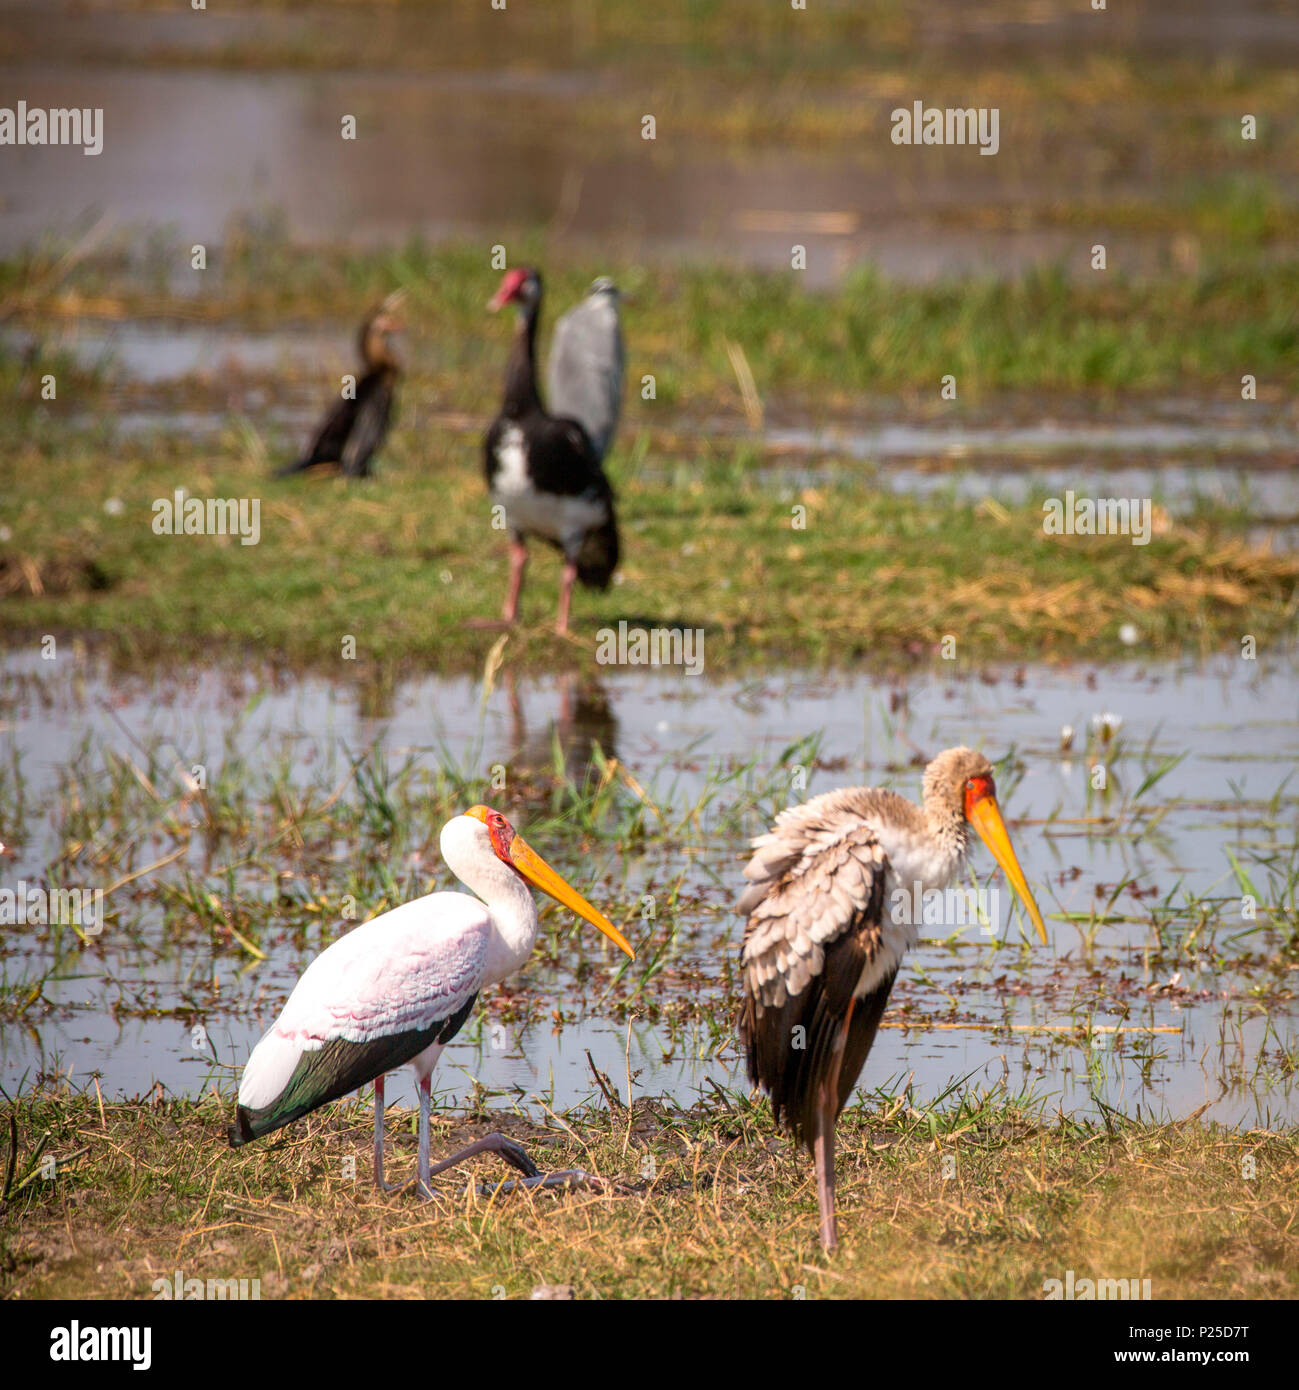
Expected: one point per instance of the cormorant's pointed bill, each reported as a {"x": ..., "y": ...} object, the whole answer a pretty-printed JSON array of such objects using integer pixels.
[
  {"x": 390, "y": 314},
  {"x": 983, "y": 813},
  {"x": 511, "y": 849}
]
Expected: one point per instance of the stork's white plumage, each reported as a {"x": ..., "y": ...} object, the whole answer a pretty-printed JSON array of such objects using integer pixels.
[{"x": 397, "y": 989}]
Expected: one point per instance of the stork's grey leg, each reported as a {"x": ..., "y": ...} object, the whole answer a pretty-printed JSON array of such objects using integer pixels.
[
  {"x": 514, "y": 1154},
  {"x": 378, "y": 1141},
  {"x": 378, "y": 1131},
  {"x": 425, "y": 1086}
]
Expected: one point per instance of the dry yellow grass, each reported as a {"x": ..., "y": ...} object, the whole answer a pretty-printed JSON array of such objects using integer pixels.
[{"x": 710, "y": 1203}]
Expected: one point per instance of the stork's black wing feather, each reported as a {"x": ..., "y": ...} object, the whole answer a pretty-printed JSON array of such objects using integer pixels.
[
  {"x": 336, "y": 1069},
  {"x": 561, "y": 463}
]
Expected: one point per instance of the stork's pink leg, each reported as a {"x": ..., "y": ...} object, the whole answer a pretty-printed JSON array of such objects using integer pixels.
[
  {"x": 518, "y": 563},
  {"x": 827, "y": 1114},
  {"x": 823, "y": 1154},
  {"x": 565, "y": 596}
]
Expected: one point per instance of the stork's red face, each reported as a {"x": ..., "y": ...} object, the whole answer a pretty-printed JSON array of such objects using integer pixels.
[
  {"x": 983, "y": 813},
  {"x": 518, "y": 286},
  {"x": 510, "y": 848},
  {"x": 976, "y": 789}
]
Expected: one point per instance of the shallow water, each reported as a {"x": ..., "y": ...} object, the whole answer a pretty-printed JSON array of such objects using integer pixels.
[
  {"x": 151, "y": 353},
  {"x": 460, "y": 134},
  {"x": 1239, "y": 720}
]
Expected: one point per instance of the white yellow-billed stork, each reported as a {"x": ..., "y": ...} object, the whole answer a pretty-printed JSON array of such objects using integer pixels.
[
  {"x": 398, "y": 988},
  {"x": 543, "y": 470},
  {"x": 823, "y": 940}
]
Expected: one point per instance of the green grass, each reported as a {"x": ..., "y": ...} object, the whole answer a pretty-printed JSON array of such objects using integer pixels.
[
  {"x": 1104, "y": 334},
  {"x": 402, "y": 564},
  {"x": 710, "y": 1203}
]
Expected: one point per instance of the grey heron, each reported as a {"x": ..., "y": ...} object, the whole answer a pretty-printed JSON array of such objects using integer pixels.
[{"x": 584, "y": 374}]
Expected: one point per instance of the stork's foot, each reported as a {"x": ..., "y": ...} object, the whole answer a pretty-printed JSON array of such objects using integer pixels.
[
  {"x": 564, "y": 1179},
  {"x": 517, "y": 1157},
  {"x": 513, "y": 1153},
  {"x": 510, "y": 1150}
]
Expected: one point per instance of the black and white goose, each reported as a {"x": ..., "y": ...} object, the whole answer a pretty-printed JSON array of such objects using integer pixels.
[{"x": 543, "y": 470}]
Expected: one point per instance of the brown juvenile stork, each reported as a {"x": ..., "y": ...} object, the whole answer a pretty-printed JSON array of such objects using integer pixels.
[
  {"x": 353, "y": 429},
  {"x": 823, "y": 942}
]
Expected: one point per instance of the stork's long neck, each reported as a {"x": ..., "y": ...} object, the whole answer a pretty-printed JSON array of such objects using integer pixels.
[
  {"x": 514, "y": 923},
  {"x": 521, "y": 370},
  {"x": 468, "y": 853},
  {"x": 948, "y": 834}
]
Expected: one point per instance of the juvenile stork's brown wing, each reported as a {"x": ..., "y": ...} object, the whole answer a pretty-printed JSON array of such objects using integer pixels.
[{"x": 816, "y": 933}]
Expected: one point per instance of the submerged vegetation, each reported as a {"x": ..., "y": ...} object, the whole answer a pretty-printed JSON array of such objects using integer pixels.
[{"x": 232, "y": 886}]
